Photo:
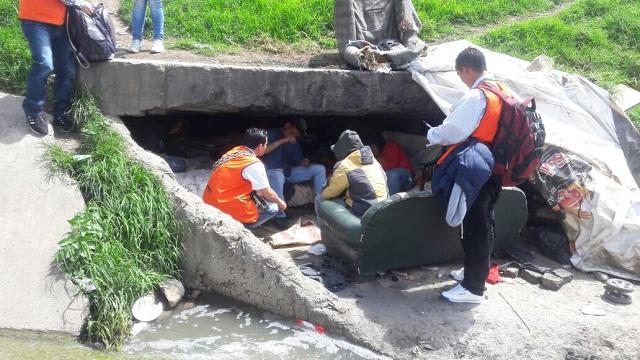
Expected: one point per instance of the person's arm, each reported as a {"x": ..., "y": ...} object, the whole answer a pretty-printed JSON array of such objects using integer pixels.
[
  {"x": 462, "y": 122},
  {"x": 336, "y": 184},
  {"x": 273, "y": 145},
  {"x": 270, "y": 195}
]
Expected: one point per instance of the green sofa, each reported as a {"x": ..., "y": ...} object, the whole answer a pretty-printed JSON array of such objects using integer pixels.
[{"x": 408, "y": 229}]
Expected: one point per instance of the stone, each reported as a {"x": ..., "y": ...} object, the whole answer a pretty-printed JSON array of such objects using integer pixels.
[
  {"x": 511, "y": 272},
  {"x": 173, "y": 291},
  {"x": 565, "y": 275},
  {"x": 531, "y": 276},
  {"x": 552, "y": 282}
]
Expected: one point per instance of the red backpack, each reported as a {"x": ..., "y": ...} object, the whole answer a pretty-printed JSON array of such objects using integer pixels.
[{"x": 517, "y": 147}]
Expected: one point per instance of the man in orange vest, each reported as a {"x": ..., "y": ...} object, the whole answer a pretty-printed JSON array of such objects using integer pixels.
[
  {"x": 477, "y": 117},
  {"x": 43, "y": 25},
  {"x": 236, "y": 175}
]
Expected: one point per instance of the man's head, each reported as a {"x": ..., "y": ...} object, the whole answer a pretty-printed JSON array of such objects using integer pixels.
[
  {"x": 256, "y": 140},
  {"x": 294, "y": 128},
  {"x": 348, "y": 142},
  {"x": 470, "y": 65}
]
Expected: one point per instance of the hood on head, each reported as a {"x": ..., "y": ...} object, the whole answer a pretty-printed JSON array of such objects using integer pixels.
[{"x": 348, "y": 142}]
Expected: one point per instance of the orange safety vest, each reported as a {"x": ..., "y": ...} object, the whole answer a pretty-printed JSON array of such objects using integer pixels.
[
  {"x": 45, "y": 11},
  {"x": 488, "y": 126},
  {"x": 229, "y": 192}
]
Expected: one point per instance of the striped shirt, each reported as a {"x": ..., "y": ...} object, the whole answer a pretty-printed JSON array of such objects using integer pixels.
[{"x": 464, "y": 119}]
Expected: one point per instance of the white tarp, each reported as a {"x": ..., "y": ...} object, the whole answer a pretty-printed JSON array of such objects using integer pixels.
[{"x": 578, "y": 117}]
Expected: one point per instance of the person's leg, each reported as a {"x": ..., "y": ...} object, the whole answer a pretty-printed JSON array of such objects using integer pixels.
[
  {"x": 39, "y": 38},
  {"x": 157, "y": 17},
  {"x": 264, "y": 216},
  {"x": 276, "y": 181},
  {"x": 315, "y": 172},
  {"x": 478, "y": 237},
  {"x": 137, "y": 18},
  {"x": 64, "y": 67},
  {"x": 398, "y": 179}
]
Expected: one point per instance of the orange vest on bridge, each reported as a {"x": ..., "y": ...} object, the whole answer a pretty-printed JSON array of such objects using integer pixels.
[
  {"x": 488, "y": 126},
  {"x": 45, "y": 11},
  {"x": 229, "y": 192}
]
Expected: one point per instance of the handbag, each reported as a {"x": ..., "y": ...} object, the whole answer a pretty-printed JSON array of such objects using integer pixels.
[{"x": 261, "y": 203}]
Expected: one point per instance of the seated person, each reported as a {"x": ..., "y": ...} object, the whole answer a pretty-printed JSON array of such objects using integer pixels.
[
  {"x": 395, "y": 163},
  {"x": 236, "y": 175},
  {"x": 285, "y": 162},
  {"x": 357, "y": 177},
  {"x": 371, "y": 32}
]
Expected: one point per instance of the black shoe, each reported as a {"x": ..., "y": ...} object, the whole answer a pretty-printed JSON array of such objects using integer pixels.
[
  {"x": 38, "y": 124},
  {"x": 64, "y": 123},
  {"x": 281, "y": 223}
]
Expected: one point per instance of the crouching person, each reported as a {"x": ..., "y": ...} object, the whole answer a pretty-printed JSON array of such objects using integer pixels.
[
  {"x": 239, "y": 186},
  {"x": 358, "y": 180}
]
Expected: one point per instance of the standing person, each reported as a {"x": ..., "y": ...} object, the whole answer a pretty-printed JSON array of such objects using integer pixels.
[
  {"x": 286, "y": 163},
  {"x": 357, "y": 179},
  {"x": 475, "y": 118},
  {"x": 395, "y": 163},
  {"x": 42, "y": 23},
  {"x": 137, "y": 25},
  {"x": 236, "y": 175}
]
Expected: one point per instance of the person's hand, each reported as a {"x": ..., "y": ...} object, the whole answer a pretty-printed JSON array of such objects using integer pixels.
[
  {"x": 282, "y": 205},
  {"x": 87, "y": 10},
  {"x": 306, "y": 162},
  {"x": 291, "y": 139}
]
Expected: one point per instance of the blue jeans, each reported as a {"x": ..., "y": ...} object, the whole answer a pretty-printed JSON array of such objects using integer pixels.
[
  {"x": 398, "y": 179},
  {"x": 50, "y": 53},
  {"x": 299, "y": 174},
  {"x": 138, "y": 17},
  {"x": 264, "y": 216}
]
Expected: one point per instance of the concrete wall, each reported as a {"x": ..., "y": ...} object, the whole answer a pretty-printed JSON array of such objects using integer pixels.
[{"x": 134, "y": 87}]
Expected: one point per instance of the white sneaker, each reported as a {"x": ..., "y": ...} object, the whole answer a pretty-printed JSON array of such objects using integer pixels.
[
  {"x": 135, "y": 46},
  {"x": 457, "y": 275},
  {"x": 461, "y": 295},
  {"x": 157, "y": 47}
]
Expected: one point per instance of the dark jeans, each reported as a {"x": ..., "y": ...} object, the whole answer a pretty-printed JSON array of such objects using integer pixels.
[
  {"x": 50, "y": 53},
  {"x": 479, "y": 236}
]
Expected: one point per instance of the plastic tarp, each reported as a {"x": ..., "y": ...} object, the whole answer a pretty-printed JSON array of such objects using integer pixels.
[{"x": 581, "y": 118}]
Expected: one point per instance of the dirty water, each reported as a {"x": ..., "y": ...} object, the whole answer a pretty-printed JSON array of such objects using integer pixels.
[{"x": 216, "y": 327}]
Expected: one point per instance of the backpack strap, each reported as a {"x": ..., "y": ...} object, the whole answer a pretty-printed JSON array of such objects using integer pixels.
[
  {"x": 82, "y": 61},
  {"x": 528, "y": 102}
]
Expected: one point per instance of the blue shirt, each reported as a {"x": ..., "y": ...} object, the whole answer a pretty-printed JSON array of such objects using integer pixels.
[{"x": 285, "y": 155}]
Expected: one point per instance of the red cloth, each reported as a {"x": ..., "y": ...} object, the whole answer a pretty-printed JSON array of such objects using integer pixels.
[
  {"x": 393, "y": 157},
  {"x": 494, "y": 274}
]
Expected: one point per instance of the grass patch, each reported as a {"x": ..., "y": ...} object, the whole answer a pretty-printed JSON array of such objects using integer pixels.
[
  {"x": 241, "y": 22},
  {"x": 126, "y": 241},
  {"x": 15, "y": 57},
  {"x": 596, "y": 38}
]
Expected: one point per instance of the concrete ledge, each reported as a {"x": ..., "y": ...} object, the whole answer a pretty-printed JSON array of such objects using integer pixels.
[{"x": 135, "y": 87}]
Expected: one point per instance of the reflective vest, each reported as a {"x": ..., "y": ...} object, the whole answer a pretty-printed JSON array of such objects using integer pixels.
[
  {"x": 229, "y": 192},
  {"x": 44, "y": 11},
  {"x": 488, "y": 125}
]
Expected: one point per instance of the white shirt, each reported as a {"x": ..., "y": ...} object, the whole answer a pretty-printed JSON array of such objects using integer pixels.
[
  {"x": 464, "y": 119},
  {"x": 257, "y": 175}
]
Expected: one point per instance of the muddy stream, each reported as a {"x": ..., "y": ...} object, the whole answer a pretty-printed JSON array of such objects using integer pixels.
[{"x": 216, "y": 327}]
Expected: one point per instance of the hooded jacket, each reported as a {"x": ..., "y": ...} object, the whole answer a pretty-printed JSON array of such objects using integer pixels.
[{"x": 357, "y": 175}]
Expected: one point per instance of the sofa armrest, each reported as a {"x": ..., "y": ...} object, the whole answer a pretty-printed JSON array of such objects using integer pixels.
[{"x": 338, "y": 223}]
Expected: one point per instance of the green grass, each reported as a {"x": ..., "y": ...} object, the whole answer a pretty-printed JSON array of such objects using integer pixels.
[
  {"x": 14, "y": 51},
  {"x": 240, "y": 23},
  {"x": 126, "y": 241}
]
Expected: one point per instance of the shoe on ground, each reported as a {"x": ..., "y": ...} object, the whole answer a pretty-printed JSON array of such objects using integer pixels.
[
  {"x": 461, "y": 295},
  {"x": 457, "y": 275},
  {"x": 281, "y": 223},
  {"x": 63, "y": 123},
  {"x": 38, "y": 124},
  {"x": 135, "y": 46},
  {"x": 157, "y": 47}
]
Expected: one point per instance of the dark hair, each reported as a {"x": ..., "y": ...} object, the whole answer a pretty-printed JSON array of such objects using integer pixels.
[
  {"x": 254, "y": 137},
  {"x": 375, "y": 139},
  {"x": 473, "y": 58}
]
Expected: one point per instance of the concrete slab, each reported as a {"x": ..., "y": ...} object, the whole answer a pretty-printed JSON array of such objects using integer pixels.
[
  {"x": 138, "y": 87},
  {"x": 33, "y": 218}
]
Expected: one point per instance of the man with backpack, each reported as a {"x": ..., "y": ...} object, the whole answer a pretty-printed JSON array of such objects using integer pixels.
[
  {"x": 43, "y": 26},
  {"x": 464, "y": 173}
]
